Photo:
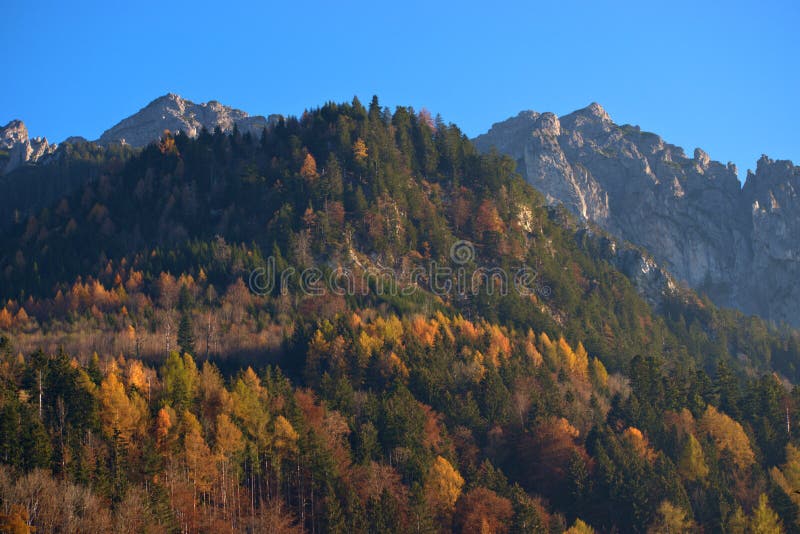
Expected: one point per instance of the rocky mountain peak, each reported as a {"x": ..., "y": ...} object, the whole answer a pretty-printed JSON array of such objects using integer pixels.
[
  {"x": 736, "y": 244},
  {"x": 175, "y": 113},
  {"x": 20, "y": 148},
  {"x": 597, "y": 111},
  {"x": 702, "y": 158},
  {"x": 12, "y": 133},
  {"x": 594, "y": 112}
]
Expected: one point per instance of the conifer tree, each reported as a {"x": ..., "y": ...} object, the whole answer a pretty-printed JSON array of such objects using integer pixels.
[{"x": 186, "y": 334}]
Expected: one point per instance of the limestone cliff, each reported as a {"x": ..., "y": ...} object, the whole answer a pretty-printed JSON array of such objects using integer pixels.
[{"x": 739, "y": 245}]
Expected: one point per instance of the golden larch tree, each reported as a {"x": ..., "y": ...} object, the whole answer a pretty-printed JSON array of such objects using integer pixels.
[{"x": 309, "y": 168}]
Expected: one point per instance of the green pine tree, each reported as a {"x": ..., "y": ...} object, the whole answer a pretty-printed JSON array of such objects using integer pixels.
[{"x": 186, "y": 334}]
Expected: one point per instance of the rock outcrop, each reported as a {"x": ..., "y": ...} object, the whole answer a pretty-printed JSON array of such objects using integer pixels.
[
  {"x": 18, "y": 148},
  {"x": 173, "y": 113},
  {"x": 738, "y": 245}
]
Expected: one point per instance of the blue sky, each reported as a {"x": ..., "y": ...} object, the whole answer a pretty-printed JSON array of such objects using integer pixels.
[{"x": 724, "y": 76}]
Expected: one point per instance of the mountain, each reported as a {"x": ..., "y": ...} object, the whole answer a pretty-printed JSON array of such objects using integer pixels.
[
  {"x": 29, "y": 182},
  {"x": 356, "y": 322},
  {"x": 17, "y": 149},
  {"x": 738, "y": 245},
  {"x": 169, "y": 112},
  {"x": 173, "y": 113}
]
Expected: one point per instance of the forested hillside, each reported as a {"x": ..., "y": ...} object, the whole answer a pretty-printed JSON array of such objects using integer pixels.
[{"x": 150, "y": 382}]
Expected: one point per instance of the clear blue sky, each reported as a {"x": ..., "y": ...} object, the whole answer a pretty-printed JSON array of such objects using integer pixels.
[{"x": 724, "y": 76}]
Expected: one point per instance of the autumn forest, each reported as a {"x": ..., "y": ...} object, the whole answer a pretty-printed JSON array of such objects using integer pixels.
[{"x": 146, "y": 386}]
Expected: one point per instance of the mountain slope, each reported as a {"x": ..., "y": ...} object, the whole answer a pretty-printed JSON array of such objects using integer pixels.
[
  {"x": 440, "y": 408},
  {"x": 689, "y": 212}
]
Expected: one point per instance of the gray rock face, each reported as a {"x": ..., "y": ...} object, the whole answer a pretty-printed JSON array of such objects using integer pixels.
[
  {"x": 13, "y": 133},
  {"x": 740, "y": 246},
  {"x": 173, "y": 113},
  {"x": 20, "y": 148}
]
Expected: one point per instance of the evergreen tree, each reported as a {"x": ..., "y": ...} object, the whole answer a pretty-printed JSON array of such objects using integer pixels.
[
  {"x": 186, "y": 334},
  {"x": 34, "y": 442}
]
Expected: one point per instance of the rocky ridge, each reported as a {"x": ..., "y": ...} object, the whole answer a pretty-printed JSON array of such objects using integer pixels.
[
  {"x": 169, "y": 112},
  {"x": 739, "y": 245},
  {"x": 174, "y": 113},
  {"x": 18, "y": 149}
]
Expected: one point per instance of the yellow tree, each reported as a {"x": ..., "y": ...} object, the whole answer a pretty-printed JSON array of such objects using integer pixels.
[
  {"x": 360, "y": 150},
  {"x": 199, "y": 461},
  {"x": 285, "y": 436},
  {"x": 228, "y": 446},
  {"x": 137, "y": 375},
  {"x": 249, "y": 399},
  {"x": 443, "y": 486},
  {"x": 788, "y": 476},
  {"x": 531, "y": 351},
  {"x": 672, "y": 519},
  {"x": 579, "y": 527},
  {"x": 548, "y": 349},
  {"x": 309, "y": 168},
  {"x": 728, "y": 434},
  {"x": 118, "y": 411},
  {"x": 581, "y": 362},
  {"x": 692, "y": 463},
  {"x": 764, "y": 520}
]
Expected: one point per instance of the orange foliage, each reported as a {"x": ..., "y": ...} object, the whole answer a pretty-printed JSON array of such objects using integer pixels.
[
  {"x": 423, "y": 330},
  {"x": 639, "y": 443},
  {"x": 309, "y": 168},
  {"x": 134, "y": 282},
  {"x": 487, "y": 218},
  {"x": 21, "y": 320},
  {"x": 499, "y": 345},
  {"x": 360, "y": 150},
  {"x": 531, "y": 351},
  {"x": 546, "y": 452},
  {"x": 5, "y": 319},
  {"x": 432, "y": 437},
  {"x": 467, "y": 329},
  {"x": 482, "y": 510},
  {"x": 163, "y": 426}
]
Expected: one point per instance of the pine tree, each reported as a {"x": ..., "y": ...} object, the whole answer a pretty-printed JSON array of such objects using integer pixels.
[
  {"x": 334, "y": 515},
  {"x": 34, "y": 442},
  {"x": 10, "y": 451},
  {"x": 186, "y": 334}
]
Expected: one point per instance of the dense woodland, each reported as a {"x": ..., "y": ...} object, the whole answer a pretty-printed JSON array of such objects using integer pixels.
[{"x": 145, "y": 388}]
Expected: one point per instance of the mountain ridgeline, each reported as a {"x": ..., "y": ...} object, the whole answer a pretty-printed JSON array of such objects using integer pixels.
[
  {"x": 149, "y": 385},
  {"x": 738, "y": 245}
]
